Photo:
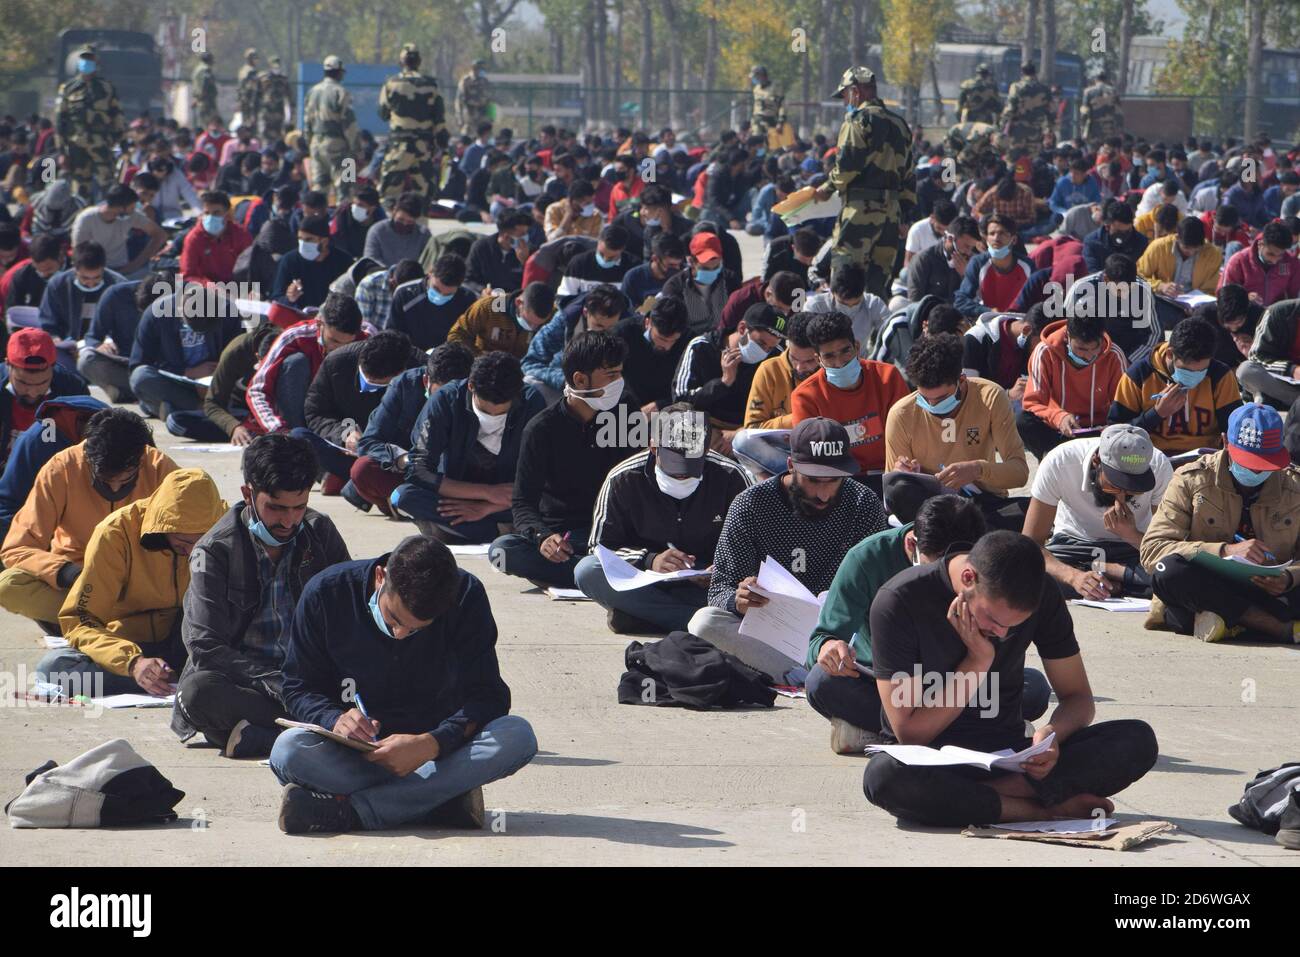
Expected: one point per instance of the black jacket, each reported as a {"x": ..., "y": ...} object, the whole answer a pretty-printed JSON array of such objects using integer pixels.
[
  {"x": 928, "y": 274},
  {"x": 636, "y": 520},
  {"x": 699, "y": 380},
  {"x": 335, "y": 403},
  {"x": 425, "y": 324},
  {"x": 647, "y": 371},
  {"x": 688, "y": 672},
  {"x": 225, "y": 595}
]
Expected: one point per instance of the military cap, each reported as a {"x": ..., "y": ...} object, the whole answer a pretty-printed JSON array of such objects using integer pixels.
[
  {"x": 88, "y": 52},
  {"x": 852, "y": 77},
  {"x": 275, "y": 62},
  {"x": 333, "y": 63},
  {"x": 205, "y": 56},
  {"x": 410, "y": 48},
  {"x": 480, "y": 62},
  {"x": 250, "y": 53},
  {"x": 983, "y": 68}
]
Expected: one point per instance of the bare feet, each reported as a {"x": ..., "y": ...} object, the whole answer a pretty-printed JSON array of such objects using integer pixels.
[{"x": 1081, "y": 806}]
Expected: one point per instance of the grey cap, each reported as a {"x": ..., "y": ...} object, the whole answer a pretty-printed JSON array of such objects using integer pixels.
[
  {"x": 1125, "y": 452},
  {"x": 332, "y": 63},
  {"x": 682, "y": 442}
]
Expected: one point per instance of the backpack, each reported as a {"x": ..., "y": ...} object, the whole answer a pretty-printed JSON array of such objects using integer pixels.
[
  {"x": 686, "y": 671},
  {"x": 1266, "y": 797}
]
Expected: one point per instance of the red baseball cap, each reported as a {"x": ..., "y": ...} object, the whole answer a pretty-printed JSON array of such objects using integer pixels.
[
  {"x": 705, "y": 245},
  {"x": 31, "y": 348}
]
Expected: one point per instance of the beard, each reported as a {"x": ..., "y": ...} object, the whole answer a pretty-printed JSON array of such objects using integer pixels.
[
  {"x": 809, "y": 507},
  {"x": 1102, "y": 499}
]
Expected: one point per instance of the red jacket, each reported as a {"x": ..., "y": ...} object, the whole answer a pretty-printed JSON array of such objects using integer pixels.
[
  {"x": 1238, "y": 234},
  {"x": 1064, "y": 256},
  {"x": 1058, "y": 388},
  {"x": 1272, "y": 283},
  {"x": 304, "y": 338},
  {"x": 206, "y": 258}
]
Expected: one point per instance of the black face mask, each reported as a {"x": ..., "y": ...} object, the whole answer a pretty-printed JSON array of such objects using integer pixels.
[{"x": 109, "y": 495}]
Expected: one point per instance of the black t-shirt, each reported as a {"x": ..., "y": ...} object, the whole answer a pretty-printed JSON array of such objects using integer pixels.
[{"x": 909, "y": 628}]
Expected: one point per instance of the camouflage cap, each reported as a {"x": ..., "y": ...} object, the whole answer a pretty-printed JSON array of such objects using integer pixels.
[
  {"x": 758, "y": 68},
  {"x": 852, "y": 77},
  {"x": 332, "y": 63},
  {"x": 275, "y": 62},
  {"x": 410, "y": 48},
  {"x": 250, "y": 53},
  {"x": 205, "y": 56},
  {"x": 480, "y": 62},
  {"x": 983, "y": 68},
  {"x": 88, "y": 51}
]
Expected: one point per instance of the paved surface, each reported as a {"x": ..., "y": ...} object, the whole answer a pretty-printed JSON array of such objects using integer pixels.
[{"x": 618, "y": 784}]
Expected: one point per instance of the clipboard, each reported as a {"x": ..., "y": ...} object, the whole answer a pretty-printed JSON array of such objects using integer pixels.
[{"x": 352, "y": 743}]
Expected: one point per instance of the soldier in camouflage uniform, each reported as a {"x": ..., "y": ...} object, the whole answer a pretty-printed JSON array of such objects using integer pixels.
[
  {"x": 203, "y": 87},
  {"x": 89, "y": 123},
  {"x": 333, "y": 139},
  {"x": 274, "y": 94},
  {"x": 978, "y": 101},
  {"x": 247, "y": 93},
  {"x": 974, "y": 145},
  {"x": 769, "y": 106},
  {"x": 1029, "y": 114},
  {"x": 1100, "y": 113},
  {"x": 473, "y": 94},
  {"x": 412, "y": 107},
  {"x": 876, "y": 177}
]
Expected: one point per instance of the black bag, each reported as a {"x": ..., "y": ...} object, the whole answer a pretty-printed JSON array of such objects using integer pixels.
[
  {"x": 685, "y": 671},
  {"x": 1266, "y": 797}
]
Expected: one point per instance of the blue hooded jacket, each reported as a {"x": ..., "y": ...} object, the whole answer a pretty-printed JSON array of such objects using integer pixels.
[
  {"x": 390, "y": 430},
  {"x": 31, "y": 450}
]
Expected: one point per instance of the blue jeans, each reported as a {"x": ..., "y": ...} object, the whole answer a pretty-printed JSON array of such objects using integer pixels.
[
  {"x": 422, "y": 503},
  {"x": 194, "y": 425},
  {"x": 76, "y": 673},
  {"x": 762, "y": 450},
  {"x": 382, "y": 799},
  {"x": 332, "y": 459},
  {"x": 517, "y": 555},
  {"x": 669, "y": 606},
  {"x": 161, "y": 395},
  {"x": 291, "y": 390}
]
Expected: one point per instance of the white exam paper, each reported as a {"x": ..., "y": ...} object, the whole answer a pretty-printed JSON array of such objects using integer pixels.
[
  {"x": 788, "y": 619},
  {"x": 624, "y": 576}
]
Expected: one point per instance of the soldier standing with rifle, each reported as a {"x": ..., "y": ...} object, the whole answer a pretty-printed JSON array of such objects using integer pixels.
[
  {"x": 978, "y": 101},
  {"x": 412, "y": 107},
  {"x": 247, "y": 92},
  {"x": 203, "y": 87},
  {"x": 89, "y": 123},
  {"x": 274, "y": 96},
  {"x": 473, "y": 94},
  {"x": 768, "y": 112}
]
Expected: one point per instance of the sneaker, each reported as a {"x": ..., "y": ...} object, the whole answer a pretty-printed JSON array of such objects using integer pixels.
[
  {"x": 249, "y": 741},
  {"x": 1295, "y": 632},
  {"x": 353, "y": 497},
  {"x": 303, "y": 812},
  {"x": 850, "y": 739},
  {"x": 465, "y": 812},
  {"x": 1211, "y": 628},
  {"x": 621, "y": 623},
  {"x": 1288, "y": 832}
]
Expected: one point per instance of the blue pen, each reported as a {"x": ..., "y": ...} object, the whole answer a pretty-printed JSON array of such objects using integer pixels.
[
  {"x": 1267, "y": 554},
  {"x": 356, "y": 696}
]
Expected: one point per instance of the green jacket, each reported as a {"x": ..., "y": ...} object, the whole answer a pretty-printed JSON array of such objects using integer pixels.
[{"x": 846, "y": 612}]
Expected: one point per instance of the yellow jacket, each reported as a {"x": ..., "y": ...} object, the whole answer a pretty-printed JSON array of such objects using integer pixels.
[
  {"x": 129, "y": 593},
  {"x": 55, "y": 523},
  {"x": 769, "y": 395},
  {"x": 1156, "y": 264},
  {"x": 484, "y": 328}
]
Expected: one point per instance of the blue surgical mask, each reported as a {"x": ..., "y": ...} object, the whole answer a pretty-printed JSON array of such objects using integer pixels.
[
  {"x": 942, "y": 407},
  {"x": 213, "y": 225},
  {"x": 1074, "y": 356},
  {"x": 589, "y": 209},
  {"x": 377, "y": 615},
  {"x": 846, "y": 376},
  {"x": 308, "y": 250},
  {"x": 439, "y": 298},
  {"x": 360, "y": 213},
  {"x": 366, "y": 385},
  {"x": 263, "y": 534},
  {"x": 1022, "y": 340},
  {"x": 604, "y": 263},
  {"x": 848, "y": 108},
  {"x": 707, "y": 276},
  {"x": 649, "y": 222},
  {"x": 1187, "y": 378},
  {"x": 95, "y": 288},
  {"x": 523, "y": 323},
  {"x": 85, "y": 66},
  {"x": 1247, "y": 477},
  {"x": 751, "y": 351},
  {"x": 1000, "y": 253}
]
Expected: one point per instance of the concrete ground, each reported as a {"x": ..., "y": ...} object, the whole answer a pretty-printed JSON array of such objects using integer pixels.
[{"x": 616, "y": 784}]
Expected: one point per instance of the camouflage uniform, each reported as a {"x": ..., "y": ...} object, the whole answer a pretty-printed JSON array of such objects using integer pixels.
[
  {"x": 247, "y": 94},
  {"x": 203, "y": 87},
  {"x": 412, "y": 106},
  {"x": 330, "y": 126},
  {"x": 89, "y": 123},
  {"x": 1028, "y": 113},
  {"x": 769, "y": 106},
  {"x": 975, "y": 145},
  {"x": 876, "y": 176},
  {"x": 1100, "y": 113},
  {"x": 274, "y": 94},
  {"x": 978, "y": 101},
  {"x": 473, "y": 94}
]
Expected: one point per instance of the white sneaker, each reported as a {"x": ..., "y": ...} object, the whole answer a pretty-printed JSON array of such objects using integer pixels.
[
  {"x": 1211, "y": 628},
  {"x": 850, "y": 739}
]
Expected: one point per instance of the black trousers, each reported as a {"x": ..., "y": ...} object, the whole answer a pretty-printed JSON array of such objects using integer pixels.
[
  {"x": 1186, "y": 588},
  {"x": 1101, "y": 759},
  {"x": 906, "y": 494},
  {"x": 214, "y": 704},
  {"x": 1079, "y": 553},
  {"x": 1039, "y": 437}
]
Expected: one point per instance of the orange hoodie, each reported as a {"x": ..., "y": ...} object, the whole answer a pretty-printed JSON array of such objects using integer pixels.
[{"x": 1057, "y": 387}]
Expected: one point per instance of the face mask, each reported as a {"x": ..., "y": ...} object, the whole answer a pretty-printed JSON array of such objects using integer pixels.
[
  {"x": 1022, "y": 340},
  {"x": 85, "y": 66},
  {"x": 846, "y": 376},
  {"x": 705, "y": 277},
  {"x": 848, "y": 108},
  {"x": 1000, "y": 253},
  {"x": 1074, "y": 357},
  {"x": 523, "y": 323},
  {"x": 213, "y": 225},
  {"x": 491, "y": 428},
  {"x": 257, "y": 528},
  {"x": 678, "y": 488},
  {"x": 602, "y": 403},
  {"x": 1187, "y": 378},
  {"x": 649, "y": 222},
  {"x": 604, "y": 263},
  {"x": 439, "y": 298},
  {"x": 1247, "y": 477},
  {"x": 942, "y": 407},
  {"x": 95, "y": 288},
  {"x": 751, "y": 351},
  {"x": 589, "y": 210},
  {"x": 360, "y": 213},
  {"x": 403, "y": 228},
  {"x": 109, "y": 495},
  {"x": 377, "y": 615},
  {"x": 366, "y": 385},
  {"x": 308, "y": 250}
]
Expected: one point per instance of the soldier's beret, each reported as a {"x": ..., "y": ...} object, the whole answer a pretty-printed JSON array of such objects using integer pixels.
[
  {"x": 333, "y": 63},
  {"x": 852, "y": 77}
]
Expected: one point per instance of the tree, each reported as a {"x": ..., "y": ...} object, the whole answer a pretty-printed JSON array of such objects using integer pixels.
[
  {"x": 1047, "y": 49},
  {"x": 1254, "y": 63},
  {"x": 1031, "y": 31},
  {"x": 907, "y": 40}
]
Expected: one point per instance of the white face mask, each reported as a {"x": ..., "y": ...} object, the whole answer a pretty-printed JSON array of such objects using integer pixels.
[
  {"x": 678, "y": 488},
  {"x": 491, "y": 428},
  {"x": 603, "y": 403}
]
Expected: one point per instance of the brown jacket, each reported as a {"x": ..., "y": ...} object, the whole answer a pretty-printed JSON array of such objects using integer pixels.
[{"x": 488, "y": 327}]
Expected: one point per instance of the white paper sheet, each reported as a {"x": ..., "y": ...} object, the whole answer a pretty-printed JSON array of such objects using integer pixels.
[
  {"x": 464, "y": 550},
  {"x": 623, "y": 576},
  {"x": 787, "y": 620},
  {"x": 566, "y": 594},
  {"x": 1115, "y": 604},
  {"x": 55, "y": 641},
  {"x": 1193, "y": 299},
  {"x": 918, "y": 755},
  {"x": 1077, "y": 826},
  {"x": 134, "y": 701},
  {"x": 802, "y": 205},
  {"x": 254, "y": 306},
  {"x": 227, "y": 447}
]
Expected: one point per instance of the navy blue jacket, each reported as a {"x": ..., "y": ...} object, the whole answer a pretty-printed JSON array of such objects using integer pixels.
[
  {"x": 1099, "y": 244},
  {"x": 425, "y": 324},
  {"x": 447, "y": 430},
  {"x": 64, "y": 383},
  {"x": 389, "y": 431},
  {"x": 116, "y": 316},
  {"x": 158, "y": 339},
  {"x": 316, "y": 276},
  {"x": 33, "y": 449},
  {"x": 60, "y": 310},
  {"x": 442, "y": 680}
]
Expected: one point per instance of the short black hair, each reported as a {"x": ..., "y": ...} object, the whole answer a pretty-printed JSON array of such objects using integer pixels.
[
  {"x": 1119, "y": 268},
  {"x": 605, "y": 300},
  {"x": 1227, "y": 216},
  {"x": 1085, "y": 328},
  {"x": 449, "y": 269},
  {"x": 1233, "y": 301},
  {"x": 407, "y": 270},
  {"x": 796, "y": 329},
  {"x": 423, "y": 572},
  {"x": 785, "y": 285},
  {"x": 592, "y": 350},
  {"x": 965, "y": 226},
  {"x": 669, "y": 315},
  {"x": 1116, "y": 211},
  {"x": 946, "y": 520},
  {"x": 448, "y": 362},
  {"x": 1010, "y": 567},
  {"x": 497, "y": 377},
  {"x": 1166, "y": 216},
  {"x": 581, "y": 189},
  {"x": 1277, "y": 235},
  {"x": 539, "y": 297},
  {"x": 1191, "y": 232},
  {"x": 384, "y": 355},
  {"x": 411, "y": 203},
  {"x": 121, "y": 196},
  {"x": 341, "y": 312},
  {"x": 315, "y": 226},
  {"x": 829, "y": 327},
  {"x": 615, "y": 237},
  {"x": 944, "y": 210},
  {"x": 944, "y": 318},
  {"x": 848, "y": 281},
  {"x": 1193, "y": 339},
  {"x": 935, "y": 360},
  {"x": 668, "y": 245},
  {"x": 1037, "y": 317},
  {"x": 89, "y": 255},
  {"x": 45, "y": 247},
  {"x": 114, "y": 441},
  {"x": 216, "y": 197},
  {"x": 278, "y": 462},
  {"x": 806, "y": 242}
]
